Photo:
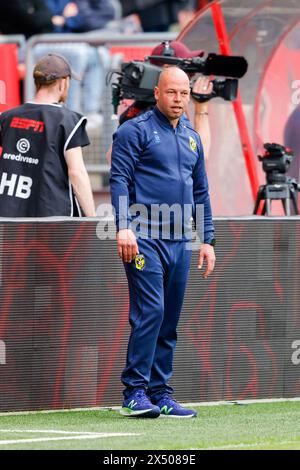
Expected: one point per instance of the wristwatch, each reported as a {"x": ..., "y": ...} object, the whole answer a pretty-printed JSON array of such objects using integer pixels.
[{"x": 212, "y": 242}]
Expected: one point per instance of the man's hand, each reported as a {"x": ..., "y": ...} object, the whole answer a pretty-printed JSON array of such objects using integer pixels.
[
  {"x": 127, "y": 245},
  {"x": 207, "y": 253},
  {"x": 58, "y": 20},
  {"x": 71, "y": 9},
  {"x": 203, "y": 85}
]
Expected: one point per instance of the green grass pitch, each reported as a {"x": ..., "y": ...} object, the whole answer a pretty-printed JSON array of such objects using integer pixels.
[{"x": 250, "y": 426}]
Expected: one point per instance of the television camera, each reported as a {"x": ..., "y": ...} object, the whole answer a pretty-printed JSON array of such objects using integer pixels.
[
  {"x": 276, "y": 161},
  {"x": 137, "y": 79}
]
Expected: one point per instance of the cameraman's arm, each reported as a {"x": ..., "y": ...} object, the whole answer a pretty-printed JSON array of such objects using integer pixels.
[
  {"x": 201, "y": 125},
  {"x": 201, "y": 118}
]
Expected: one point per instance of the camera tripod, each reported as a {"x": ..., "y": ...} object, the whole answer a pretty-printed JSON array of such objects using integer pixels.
[{"x": 286, "y": 192}]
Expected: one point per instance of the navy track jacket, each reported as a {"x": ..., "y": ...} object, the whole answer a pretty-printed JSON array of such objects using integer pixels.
[{"x": 155, "y": 164}]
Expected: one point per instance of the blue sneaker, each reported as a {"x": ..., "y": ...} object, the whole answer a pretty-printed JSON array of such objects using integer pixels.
[
  {"x": 169, "y": 408},
  {"x": 138, "y": 405}
]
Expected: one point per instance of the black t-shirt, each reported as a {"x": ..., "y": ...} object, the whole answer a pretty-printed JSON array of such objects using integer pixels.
[{"x": 33, "y": 172}]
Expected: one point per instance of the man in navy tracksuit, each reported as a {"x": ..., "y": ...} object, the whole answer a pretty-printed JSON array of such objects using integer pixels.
[{"x": 157, "y": 163}]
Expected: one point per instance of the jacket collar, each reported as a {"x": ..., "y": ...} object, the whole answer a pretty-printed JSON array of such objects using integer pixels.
[{"x": 163, "y": 119}]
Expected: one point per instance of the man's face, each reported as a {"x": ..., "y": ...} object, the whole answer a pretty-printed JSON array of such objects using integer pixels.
[{"x": 172, "y": 94}]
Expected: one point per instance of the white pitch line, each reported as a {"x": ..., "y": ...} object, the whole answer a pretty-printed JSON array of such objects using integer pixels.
[
  {"x": 50, "y": 431},
  {"x": 242, "y": 402},
  {"x": 69, "y": 438}
]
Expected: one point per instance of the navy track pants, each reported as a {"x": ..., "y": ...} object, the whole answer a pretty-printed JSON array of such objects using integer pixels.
[{"x": 156, "y": 296}]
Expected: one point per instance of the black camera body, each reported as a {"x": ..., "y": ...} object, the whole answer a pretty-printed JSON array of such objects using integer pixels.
[{"x": 276, "y": 161}]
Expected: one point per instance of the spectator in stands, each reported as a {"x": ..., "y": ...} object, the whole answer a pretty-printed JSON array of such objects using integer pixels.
[
  {"x": 81, "y": 15},
  {"x": 66, "y": 18},
  {"x": 41, "y": 166},
  {"x": 155, "y": 15},
  {"x": 26, "y": 17}
]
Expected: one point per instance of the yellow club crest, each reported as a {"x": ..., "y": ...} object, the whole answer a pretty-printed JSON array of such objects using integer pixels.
[
  {"x": 139, "y": 262},
  {"x": 193, "y": 144}
]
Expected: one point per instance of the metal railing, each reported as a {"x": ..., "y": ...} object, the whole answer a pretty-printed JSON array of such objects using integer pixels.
[{"x": 13, "y": 39}]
